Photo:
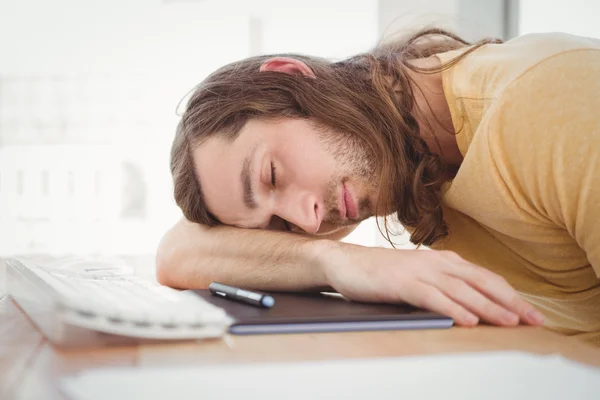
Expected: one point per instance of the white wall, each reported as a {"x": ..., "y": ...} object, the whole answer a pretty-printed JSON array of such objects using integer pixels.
[
  {"x": 578, "y": 17},
  {"x": 471, "y": 19}
]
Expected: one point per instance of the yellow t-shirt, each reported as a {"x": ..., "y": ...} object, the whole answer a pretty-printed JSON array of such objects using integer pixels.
[{"x": 525, "y": 202}]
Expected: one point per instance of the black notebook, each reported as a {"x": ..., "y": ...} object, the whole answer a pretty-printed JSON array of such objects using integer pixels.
[{"x": 322, "y": 312}]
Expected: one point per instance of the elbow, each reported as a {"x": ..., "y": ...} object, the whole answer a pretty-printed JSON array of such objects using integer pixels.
[
  {"x": 173, "y": 268},
  {"x": 169, "y": 264},
  {"x": 165, "y": 267},
  {"x": 179, "y": 259}
]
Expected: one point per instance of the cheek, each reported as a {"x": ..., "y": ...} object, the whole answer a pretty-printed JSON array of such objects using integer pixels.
[
  {"x": 310, "y": 164},
  {"x": 350, "y": 155}
]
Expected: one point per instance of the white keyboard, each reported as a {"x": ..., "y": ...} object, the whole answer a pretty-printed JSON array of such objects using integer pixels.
[{"x": 104, "y": 296}]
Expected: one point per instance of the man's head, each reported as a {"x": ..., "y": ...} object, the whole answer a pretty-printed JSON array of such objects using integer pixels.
[
  {"x": 286, "y": 174},
  {"x": 300, "y": 143}
]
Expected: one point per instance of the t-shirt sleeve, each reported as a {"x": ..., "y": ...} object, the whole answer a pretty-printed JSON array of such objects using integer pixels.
[{"x": 549, "y": 128}]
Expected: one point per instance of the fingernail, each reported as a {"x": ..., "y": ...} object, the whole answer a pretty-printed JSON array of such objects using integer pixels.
[
  {"x": 510, "y": 318},
  {"x": 536, "y": 317},
  {"x": 470, "y": 319}
]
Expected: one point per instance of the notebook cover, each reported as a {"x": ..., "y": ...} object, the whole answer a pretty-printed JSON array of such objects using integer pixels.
[{"x": 335, "y": 313}]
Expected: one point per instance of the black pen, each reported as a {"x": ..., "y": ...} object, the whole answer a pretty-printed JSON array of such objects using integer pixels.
[{"x": 241, "y": 295}]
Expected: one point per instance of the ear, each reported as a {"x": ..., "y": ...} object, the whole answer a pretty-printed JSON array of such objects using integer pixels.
[{"x": 287, "y": 65}]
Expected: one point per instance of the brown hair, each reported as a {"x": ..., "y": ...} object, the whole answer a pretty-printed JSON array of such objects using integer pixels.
[{"x": 356, "y": 96}]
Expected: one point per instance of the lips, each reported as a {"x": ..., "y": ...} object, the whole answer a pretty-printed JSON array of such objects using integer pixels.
[{"x": 351, "y": 211}]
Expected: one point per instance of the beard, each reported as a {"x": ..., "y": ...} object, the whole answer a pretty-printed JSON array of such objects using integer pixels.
[
  {"x": 354, "y": 162},
  {"x": 365, "y": 208}
]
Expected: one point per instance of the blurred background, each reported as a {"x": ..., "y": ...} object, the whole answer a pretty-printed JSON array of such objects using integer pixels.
[{"x": 89, "y": 91}]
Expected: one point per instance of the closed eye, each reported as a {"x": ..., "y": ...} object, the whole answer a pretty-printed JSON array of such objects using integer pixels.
[{"x": 273, "y": 176}]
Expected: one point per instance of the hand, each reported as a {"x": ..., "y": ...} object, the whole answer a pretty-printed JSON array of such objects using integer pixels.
[{"x": 440, "y": 281}]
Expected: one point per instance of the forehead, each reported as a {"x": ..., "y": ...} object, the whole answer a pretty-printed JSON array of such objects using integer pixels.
[
  {"x": 218, "y": 164},
  {"x": 219, "y": 161}
]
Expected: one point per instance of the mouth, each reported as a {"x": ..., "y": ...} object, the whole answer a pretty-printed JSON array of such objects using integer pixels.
[{"x": 349, "y": 209}]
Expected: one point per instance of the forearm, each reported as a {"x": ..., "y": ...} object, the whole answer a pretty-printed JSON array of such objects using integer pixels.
[{"x": 192, "y": 256}]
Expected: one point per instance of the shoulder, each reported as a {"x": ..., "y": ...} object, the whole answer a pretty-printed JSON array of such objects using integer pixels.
[
  {"x": 490, "y": 69},
  {"x": 560, "y": 77},
  {"x": 524, "y": 88},
  {"x": 547, "y": 92},
  {"x": 554, "y": 56},
  {"x": 551, "y": 43},
  {"x": 525, "y": 49},
  {"x": 548, "y": 112}
]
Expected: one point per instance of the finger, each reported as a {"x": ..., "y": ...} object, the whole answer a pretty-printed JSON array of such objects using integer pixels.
[
  {"x": 497, "y": 289},
  {"x": 430, "y": 298},
  {"x": 476, "y": 302}
]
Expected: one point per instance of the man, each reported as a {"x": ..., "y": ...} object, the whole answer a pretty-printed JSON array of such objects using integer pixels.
[{"x": 488, "y": 153}]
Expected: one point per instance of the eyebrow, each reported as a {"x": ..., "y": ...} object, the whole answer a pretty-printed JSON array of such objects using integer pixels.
[{"x": 246, "y": 178}]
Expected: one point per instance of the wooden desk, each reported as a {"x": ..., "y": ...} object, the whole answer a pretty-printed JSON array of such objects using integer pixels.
[{"x": 30, "y": 366}]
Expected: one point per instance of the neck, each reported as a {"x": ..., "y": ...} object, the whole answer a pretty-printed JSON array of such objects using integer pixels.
[{"x": 433, "y": 114}]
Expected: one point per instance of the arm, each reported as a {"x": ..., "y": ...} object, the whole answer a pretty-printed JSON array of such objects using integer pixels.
[{"x": 192, "y": 256}]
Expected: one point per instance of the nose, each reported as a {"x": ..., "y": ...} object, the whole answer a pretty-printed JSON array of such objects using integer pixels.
[{"x": 303, "y": 210}]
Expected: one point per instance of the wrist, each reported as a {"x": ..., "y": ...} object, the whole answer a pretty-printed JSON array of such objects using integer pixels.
[{"x": 325, "y": 257}]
